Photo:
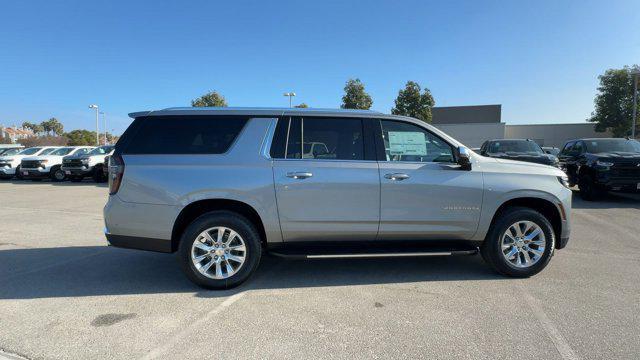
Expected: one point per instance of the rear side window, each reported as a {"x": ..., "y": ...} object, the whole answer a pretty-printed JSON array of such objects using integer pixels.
[
  {"x": 319, "y": 138},
  {"x": 185, "y": 135}
]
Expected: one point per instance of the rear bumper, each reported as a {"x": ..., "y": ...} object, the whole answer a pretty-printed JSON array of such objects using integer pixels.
[{"x": 138, "y": 243}]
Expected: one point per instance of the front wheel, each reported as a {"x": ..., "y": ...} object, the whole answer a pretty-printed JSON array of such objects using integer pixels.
[
  {"x": 57, "y": 174},
  {"x": 520, "y": 243},
  {"x": 220, "y": 250},
  {"x": 19, "y": 173},
  {"x": 589, "y": 190}
]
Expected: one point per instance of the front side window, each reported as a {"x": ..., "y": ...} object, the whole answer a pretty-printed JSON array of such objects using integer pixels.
[
  {"x": 29, "y": 151},
  {"x": 408, "y": 142},
  {"x": 319, "y": 138},
  {"x": 185, "y": 134},
  {"x": 47, "y": 151},
  {"x": 62, "y": 151},
  {"x": 101, "y": 150}
]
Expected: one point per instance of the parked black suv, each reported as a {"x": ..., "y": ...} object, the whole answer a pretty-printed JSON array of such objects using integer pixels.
[
  {"x": 517, "y": 149},
  {"x": 599, "y": 165}
]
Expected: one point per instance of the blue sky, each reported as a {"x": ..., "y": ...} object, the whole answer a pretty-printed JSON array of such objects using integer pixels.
[{"x": 539, "y": 59}]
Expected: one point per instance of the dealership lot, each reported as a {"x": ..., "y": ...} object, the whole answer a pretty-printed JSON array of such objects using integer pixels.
[{"x": 65, "y": 294}]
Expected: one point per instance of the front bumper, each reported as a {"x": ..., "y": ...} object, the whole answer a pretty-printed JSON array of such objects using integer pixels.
[
  {"x": 81, "y": 171},
  {"x": 7, "y": 171},
  {"x": 39, "y": 173}
]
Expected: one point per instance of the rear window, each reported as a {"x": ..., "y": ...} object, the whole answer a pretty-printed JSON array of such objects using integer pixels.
[{"x": 185, "y": 134}]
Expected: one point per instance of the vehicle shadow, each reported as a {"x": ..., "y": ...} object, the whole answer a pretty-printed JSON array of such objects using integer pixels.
[
  {"x": 27, "y": 182},
  {"x": 101, "y": 270},
  {"x": 608, "y": 201}
]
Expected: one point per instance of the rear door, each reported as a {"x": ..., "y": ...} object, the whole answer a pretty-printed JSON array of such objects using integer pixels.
[
  {"x": 326, "y": 179},
  {"x": 424, "y": 193}
]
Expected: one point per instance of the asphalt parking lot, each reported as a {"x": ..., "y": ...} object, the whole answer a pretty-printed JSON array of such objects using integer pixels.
[{"x": 65, "y": 295}]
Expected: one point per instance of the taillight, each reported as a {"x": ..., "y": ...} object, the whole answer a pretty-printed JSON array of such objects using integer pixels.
[{"x": 116, "y": 171}]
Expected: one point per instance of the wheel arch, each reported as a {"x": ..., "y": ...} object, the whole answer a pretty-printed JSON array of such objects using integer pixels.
[
  {"x": 544, "y": 206},
  {"x": 199, "y": 207}
]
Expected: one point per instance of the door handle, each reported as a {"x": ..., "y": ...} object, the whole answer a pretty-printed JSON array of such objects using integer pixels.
[
  {"x": 299, "y": 175},
  {"x": 396, "y": 176}
]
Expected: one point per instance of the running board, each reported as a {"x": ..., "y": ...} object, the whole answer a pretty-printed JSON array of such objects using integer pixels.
[{"x": 374, "y": 255}]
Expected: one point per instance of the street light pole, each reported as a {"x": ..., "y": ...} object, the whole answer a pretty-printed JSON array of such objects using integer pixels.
[
  {"x": 104, "y": 119},
  {"x": 94, "y": 106},
  {"x": 635, "y": 74},
  {"x": 290, "y": 95}
]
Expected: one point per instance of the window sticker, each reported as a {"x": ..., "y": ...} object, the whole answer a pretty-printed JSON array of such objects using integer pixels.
[{"x": 407, "y": 143}]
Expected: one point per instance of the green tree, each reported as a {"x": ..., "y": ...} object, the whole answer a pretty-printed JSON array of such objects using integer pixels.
[
  {"x": 81, "y": 137},
  {"x": 613, "y": 104},
  {"x": 410, "y": 102},
  {"x": 302, "y": 106},
  {"x": 210, "y": 99},
  {"x": 355, "y": 97},
  {"x": 52, "y": 126}
]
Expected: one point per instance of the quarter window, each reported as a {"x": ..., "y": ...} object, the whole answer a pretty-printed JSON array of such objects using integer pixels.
[
  {"x": 408, "y": 142},
  {"x": 186, "y": 135}
]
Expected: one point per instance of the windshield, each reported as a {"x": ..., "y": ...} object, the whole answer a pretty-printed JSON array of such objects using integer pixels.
[
  {"x": 514, "y": 146},
  {"x": 8, "y": 152},
  {"x": 62, "y": 151},
  {"x": 101, "y": 150},
  {"x": 613, "y": 145},
  {"x": 29, "y": 151},
  {"x": 47, "y": 151}
]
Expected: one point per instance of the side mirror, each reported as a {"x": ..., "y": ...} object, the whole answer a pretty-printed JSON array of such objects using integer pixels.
[{"x": 464, "y": 158}]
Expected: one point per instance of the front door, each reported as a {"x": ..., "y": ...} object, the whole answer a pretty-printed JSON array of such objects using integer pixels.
[
  {"x": 424, "y": 193},
  {"x": 327, "y": 183}
]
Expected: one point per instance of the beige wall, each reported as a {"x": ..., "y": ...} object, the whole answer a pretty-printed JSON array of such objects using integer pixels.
[
  {"x": 473, "y": 135},
  {"x": 553, "y": 134}
]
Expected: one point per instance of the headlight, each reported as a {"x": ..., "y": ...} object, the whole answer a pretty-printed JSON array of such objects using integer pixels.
[
  {"x": 604, "y": 163},
  {"x": 564, "y": 180},
  {"x": 8, "y": 160}
]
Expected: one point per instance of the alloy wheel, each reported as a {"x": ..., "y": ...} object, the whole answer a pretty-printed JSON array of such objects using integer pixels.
[
  {"x": 523, "y": 244},
  {"x": 218, "y": 252}
]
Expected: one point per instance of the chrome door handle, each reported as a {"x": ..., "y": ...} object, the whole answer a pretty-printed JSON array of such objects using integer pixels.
[
  {"x": 299, "y": 175},
  {"x": 396, "y": 176}
]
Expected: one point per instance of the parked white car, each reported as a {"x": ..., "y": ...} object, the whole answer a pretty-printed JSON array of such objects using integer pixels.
[
  {"x": 10, "y": 164},
  {"x": 49, "y": 165}
]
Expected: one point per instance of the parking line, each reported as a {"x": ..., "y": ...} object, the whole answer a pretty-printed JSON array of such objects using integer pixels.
[
  {"x": 554, "y": 334},
  {"x": 159, "y": 351}
]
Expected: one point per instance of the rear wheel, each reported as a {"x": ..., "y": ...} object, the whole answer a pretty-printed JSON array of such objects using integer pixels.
[
  {"x": 220, "y": 250},
  {"x": 589, "y": 190},
  {"x": 520, "y": 243}
]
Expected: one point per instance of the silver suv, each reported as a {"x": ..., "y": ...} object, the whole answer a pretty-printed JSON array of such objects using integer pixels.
[{"x": 222, "y": 186}]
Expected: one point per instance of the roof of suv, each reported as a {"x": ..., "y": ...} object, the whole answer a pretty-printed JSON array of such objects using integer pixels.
[{"x": 255, "y": 111}]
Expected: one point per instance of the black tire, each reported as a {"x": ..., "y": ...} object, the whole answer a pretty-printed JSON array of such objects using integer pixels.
[
  {"x": 57, "y": 175},
  {"x": 75, "y": 178},
  {"x": 589, "y": 191},
  {"x": 491, "y": 248},
  {"x": 240, "y": 225},
  {"x": 19, "y": 173},
  {"x": 99, "y": 176}
]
